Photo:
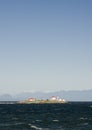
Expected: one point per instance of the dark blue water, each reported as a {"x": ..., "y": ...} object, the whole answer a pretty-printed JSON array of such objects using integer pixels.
[{"x": 69, "y": 116}]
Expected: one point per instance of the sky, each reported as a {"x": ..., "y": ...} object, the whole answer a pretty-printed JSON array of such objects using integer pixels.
[{"x": 45, "y": 45}]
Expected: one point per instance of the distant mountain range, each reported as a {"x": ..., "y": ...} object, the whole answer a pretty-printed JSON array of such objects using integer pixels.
[{"x": 85, "y": 95}]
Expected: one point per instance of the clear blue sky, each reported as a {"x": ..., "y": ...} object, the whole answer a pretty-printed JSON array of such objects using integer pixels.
[{"x": 45, "y": 45}]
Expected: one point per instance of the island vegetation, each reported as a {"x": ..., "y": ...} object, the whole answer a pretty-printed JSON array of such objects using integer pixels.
[{"x": 53, "y": 99}]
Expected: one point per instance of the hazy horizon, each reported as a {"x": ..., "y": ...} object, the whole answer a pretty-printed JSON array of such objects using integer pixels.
[
  {"x": 44, "y": 92},
  {"x": 45, "y": 45},
  {"x": 83, "y": 95}
]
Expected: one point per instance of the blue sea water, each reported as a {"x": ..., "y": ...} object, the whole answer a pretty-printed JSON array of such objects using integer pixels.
[{"x": 69, "y": 116}]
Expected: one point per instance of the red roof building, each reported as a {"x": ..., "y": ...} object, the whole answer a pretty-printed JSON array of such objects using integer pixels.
[
  {"x": 32, "y": 99},
  {"x": 53, "y": 98}
]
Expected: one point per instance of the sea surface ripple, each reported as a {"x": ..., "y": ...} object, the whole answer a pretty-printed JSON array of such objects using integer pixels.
[{"x": 68, "y": 116}]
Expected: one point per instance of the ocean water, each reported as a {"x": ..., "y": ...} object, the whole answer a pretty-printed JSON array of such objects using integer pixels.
[{"x": 69, "y": 116}]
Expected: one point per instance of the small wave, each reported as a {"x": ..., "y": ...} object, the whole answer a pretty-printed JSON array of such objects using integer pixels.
[
  {"x": 55, "y": 120},
  {"x": 38, "y": 120},
  {"x": 34, "y": 127},
  {"x": 5, "y": 124},
  {"x": 12, "y": 124},
  {"x": 83, "y": 118},
  {"x": 86, "y": 123},
  {"x": 19, "y": 123},
  {"x": 14, "y": 118}
]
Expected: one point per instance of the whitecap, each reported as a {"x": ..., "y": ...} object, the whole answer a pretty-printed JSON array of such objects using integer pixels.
[{"x": 35, "y": 127}]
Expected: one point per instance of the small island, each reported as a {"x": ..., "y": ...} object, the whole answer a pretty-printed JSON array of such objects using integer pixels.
[{"x": 53, "y": 99}]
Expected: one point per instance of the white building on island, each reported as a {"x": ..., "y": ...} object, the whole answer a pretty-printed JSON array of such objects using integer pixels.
[{"x": 53, "y": 98}]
